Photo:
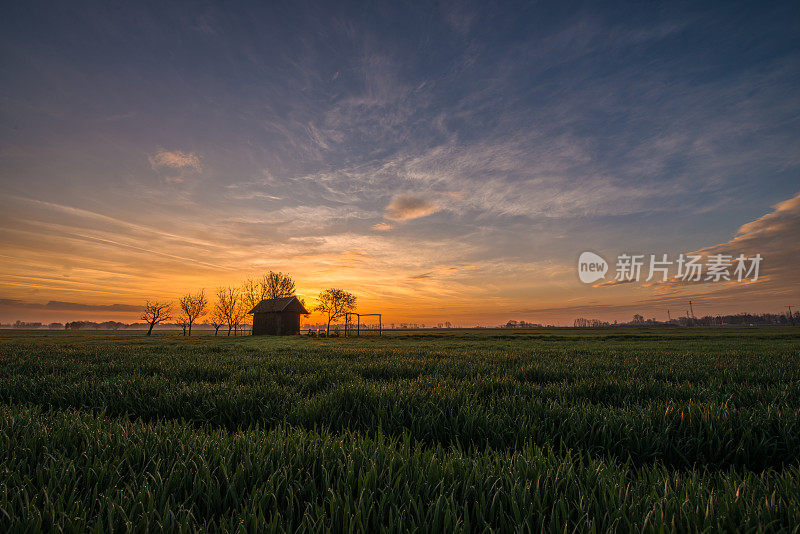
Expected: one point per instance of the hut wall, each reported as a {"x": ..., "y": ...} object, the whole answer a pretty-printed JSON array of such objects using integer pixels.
[
  {"x": 290, "y": 323},
  {"x": 284, "y": 323},
  {"x": 266, "y": 323}
]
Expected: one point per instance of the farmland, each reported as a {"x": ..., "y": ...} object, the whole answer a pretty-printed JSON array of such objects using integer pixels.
[{"x": 691, "y": 429}]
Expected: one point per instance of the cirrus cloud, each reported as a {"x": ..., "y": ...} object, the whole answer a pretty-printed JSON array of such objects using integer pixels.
[{"x": 59, "y": 305}]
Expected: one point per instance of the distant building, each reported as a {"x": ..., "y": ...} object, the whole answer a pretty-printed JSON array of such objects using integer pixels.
[{"x": 278, "y": 317}]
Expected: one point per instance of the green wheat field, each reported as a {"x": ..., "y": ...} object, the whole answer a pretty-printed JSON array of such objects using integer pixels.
[{"x": 484, "y": 430}]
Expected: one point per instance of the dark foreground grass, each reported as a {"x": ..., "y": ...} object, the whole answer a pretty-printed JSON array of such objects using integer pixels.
[{"x": 688, "y": 430}]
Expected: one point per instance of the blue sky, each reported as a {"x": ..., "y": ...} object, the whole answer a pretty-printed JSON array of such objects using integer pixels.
[{"x": 434, "y": 158}]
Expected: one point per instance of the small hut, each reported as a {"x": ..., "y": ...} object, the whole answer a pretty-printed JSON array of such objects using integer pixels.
[{"x": 278, "y": 317}]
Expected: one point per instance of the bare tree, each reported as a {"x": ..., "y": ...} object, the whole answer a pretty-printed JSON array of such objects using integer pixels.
[
  {"x": 183, "y": 322},
  {"x": 252, "y": 292},
  {"x": 335, "y": 303},
  {"x": 156, "y": 312},
  {"x": 228, "y": 302},
  {"x": 278, "y": 285},
  {"x": 193, "y": 306},
  {"x": 239, "y": 316},
  {"x": 271, "y": 286},
  {"x": 217, "y": 318}
]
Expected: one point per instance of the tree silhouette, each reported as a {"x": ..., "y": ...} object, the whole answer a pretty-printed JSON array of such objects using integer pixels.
[
  {"x": 335, "y": 303},
  {"x": 193, "y": 306},
  {"x": 271, "y": 286},
  {"x": 156, "y": 312},
  {"x": 252, "y": 292},
  {"x": 278, "y": 285},
  {"x": 239, "y": 316},
  {"x": 183, "y": 322},
  {"x": 217, "y": 318},
  {"x": 228, "y": 305}
]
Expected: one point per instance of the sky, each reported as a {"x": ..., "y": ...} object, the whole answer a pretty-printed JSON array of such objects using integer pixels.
[{"x": 443, "y": 161}]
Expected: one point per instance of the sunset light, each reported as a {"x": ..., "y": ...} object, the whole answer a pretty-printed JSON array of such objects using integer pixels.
[
  {"x": 157, "y": 152},
  {"x": 419, "y": 266}
]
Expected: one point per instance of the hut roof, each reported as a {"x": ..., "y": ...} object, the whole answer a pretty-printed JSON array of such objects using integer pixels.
[{"x": 277, "y": 305}]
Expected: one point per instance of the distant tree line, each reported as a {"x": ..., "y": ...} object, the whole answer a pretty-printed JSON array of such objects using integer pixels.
[
  {"x": 742, "y": 319},
  {"x": 91, "y": 325},
  {"x": 739, "y": 319},
  {"x": 589, "y": 323},
  {"x": 520, "y": 324},
  {"x": 32, "y": 326}
]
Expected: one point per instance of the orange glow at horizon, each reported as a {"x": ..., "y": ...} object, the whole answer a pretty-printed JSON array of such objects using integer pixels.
[{"x": 69, "y": 255}]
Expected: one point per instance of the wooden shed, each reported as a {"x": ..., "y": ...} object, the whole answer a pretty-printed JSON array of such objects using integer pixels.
[{"x": 278, "y": 317}]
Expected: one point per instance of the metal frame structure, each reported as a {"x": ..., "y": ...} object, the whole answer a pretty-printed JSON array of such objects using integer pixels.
[{"x": 358, "y": 322}]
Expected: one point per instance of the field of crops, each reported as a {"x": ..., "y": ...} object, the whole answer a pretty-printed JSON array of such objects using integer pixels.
[{"x": 467, "y": 430}]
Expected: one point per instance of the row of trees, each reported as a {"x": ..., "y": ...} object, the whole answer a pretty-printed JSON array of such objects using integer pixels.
[
  {"x": 233, "y": 304},
  {"x": 520, "y": 324},
  {"x": 740, "y": 319},
  {"x": 582, "y": 322},
  {"x": 105, "y": 325}
]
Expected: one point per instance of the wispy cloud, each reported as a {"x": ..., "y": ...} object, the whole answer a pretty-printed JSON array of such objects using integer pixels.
[
  {"x": 55, "y": 305},
  {"x": 405, "y": 207},
  {"x": 347, "y": 154},
  {"x": 174, "y": 159}
]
